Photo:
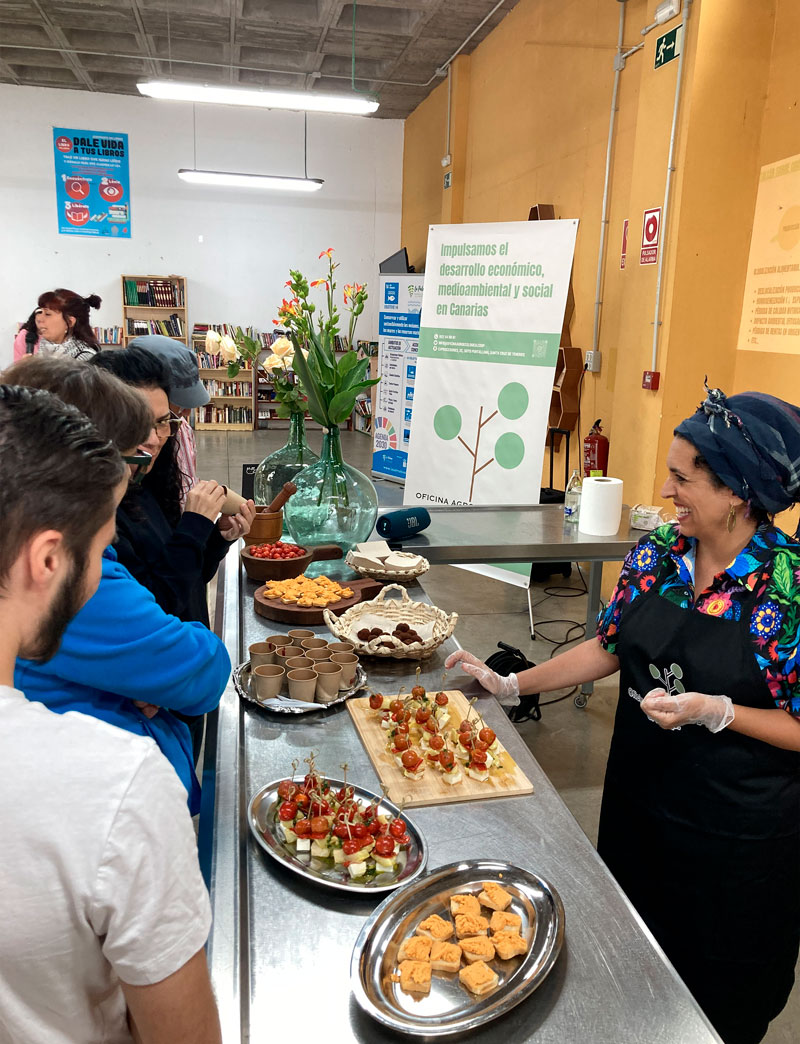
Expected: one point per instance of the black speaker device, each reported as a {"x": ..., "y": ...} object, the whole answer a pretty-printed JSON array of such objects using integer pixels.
[{"x": 399, "y": 525}]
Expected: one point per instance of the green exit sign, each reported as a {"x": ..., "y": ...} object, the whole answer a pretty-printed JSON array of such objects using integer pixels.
[{"x": 668, "y": 46}]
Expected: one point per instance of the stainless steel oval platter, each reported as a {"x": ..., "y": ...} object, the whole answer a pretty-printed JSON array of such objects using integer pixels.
[
  {"x": 262, "y": 815},
  {"x": 449, "y": 1008}
]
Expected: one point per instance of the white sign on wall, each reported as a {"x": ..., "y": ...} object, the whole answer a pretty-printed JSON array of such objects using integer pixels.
[
  {"x": 492, "y": 313},
  {"x": 771, "y": 306}
]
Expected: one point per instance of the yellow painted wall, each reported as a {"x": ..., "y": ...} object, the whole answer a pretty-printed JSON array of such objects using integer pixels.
[{"x": 539, "y": 93}]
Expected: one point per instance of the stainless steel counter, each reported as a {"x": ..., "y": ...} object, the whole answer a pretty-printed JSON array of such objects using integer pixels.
[{"x": 280, "y": 947}]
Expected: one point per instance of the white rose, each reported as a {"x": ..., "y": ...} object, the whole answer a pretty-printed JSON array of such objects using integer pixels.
[
  {"x": 282, "y": 346},
  {"x": 227, "y": 348}
]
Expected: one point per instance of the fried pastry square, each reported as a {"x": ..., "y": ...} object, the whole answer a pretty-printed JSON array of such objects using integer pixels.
[
  {"x": 478, "y": 978},
  {"x": 504, "y": 922},
  {"x": 467, "y": 925},
  {"x": 415, "y": 976},
  {"x": 465, "y": 904},
  {"x": 435, "y": 927},
  {"x": 509, "y": 944},
  {"x": 415, "y": 948},
  {"x": 493, "y": 896}
]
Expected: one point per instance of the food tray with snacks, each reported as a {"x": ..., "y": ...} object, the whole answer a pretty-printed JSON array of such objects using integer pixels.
[
  {"x": 433, "y": 748},
  {"x": 381, "y": 563},
  {"x": 353, "y": 841},
  {"x": 457, "y": 948},
  {"x": 283, "y": 704},
  {"x": 400, "y": 629}
]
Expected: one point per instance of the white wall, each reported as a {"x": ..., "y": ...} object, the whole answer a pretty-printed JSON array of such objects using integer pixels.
[{"x": 250, "y": 238}]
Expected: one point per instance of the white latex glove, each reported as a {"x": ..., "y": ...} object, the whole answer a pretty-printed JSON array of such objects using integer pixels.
[
  {"x": 505, "y": 689},
  {"x": 688, "y": 708}
]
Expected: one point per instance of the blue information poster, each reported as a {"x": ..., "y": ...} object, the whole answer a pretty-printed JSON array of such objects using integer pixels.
[
  {"x": 398, "y": 342},
  {"x": 93, "y": 192}
]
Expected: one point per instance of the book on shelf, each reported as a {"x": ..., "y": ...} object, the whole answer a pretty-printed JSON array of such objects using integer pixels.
[
  {"x": 209, "y": 361},
  {"x": 153, "y": 293},
  {"x": 171, "y": 327},
  {"x": 241, "y": 388},
  {"x": 108, "y": 334},
  {"x": 213, "y": 413}
]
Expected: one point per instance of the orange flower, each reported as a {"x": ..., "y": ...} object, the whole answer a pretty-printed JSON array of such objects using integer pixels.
[
  {"x": 326, "y": 253},
  {"x": 319, "y": 282}
]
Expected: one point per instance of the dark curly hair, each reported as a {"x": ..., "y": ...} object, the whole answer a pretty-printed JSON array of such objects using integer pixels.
[{"x": 140, "y": 369}]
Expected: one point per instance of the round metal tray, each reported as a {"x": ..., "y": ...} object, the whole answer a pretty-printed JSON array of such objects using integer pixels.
[
  {"x": 262, "y": 815},
  {"x": 449, "y": 1008},
  {"x": 241, "y": 680}
]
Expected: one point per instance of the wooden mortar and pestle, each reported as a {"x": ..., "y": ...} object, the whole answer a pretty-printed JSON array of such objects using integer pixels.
[{"x": 268, "y": 524}]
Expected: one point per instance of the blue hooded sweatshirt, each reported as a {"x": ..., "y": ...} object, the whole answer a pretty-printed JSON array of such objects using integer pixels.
[{"x": 122, "y": 647}]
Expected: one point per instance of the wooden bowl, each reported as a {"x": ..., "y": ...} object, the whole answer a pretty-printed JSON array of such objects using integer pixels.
[
  {"x": 266, "y": 528},
  {"x": 262, "y": 569}
]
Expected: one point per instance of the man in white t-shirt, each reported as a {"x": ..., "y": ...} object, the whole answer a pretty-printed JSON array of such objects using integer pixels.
[{"x": 103, "y": 911}]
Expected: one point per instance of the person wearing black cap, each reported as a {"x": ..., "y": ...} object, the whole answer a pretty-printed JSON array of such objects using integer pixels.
[
  {"x": 700, "y": 821},
  {"x": 186, "y": 392}
]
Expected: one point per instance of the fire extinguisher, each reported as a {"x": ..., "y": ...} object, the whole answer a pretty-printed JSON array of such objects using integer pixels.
[{"x": 595, "y": 452}]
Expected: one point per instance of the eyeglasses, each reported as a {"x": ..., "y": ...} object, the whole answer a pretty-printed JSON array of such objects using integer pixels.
[
  {"x": 168, "y": 426},
  {"x": 139, "y": 463}
]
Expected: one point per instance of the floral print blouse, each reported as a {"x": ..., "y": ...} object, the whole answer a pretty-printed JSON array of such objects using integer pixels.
[{"x": 769, "y": 566}]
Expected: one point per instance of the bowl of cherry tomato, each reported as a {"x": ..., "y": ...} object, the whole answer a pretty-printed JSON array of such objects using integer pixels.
[{"x": 282, "y": 561}]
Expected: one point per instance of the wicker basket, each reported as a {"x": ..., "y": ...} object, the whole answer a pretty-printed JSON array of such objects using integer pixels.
[
  {"x": 404, "y": 610},
  {"x": 398, "y": 576}
]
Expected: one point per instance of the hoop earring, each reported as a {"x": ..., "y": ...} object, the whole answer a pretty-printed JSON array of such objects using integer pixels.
[{"x": 731, "y": 521}]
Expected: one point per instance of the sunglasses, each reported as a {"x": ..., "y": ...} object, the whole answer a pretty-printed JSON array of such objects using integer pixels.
[{"x": 139, "y": 463}]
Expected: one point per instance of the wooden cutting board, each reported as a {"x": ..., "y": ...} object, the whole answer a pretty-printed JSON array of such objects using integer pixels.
[
  {"x": 309, "y": 616},
  {"x": 431, "y": 789}
]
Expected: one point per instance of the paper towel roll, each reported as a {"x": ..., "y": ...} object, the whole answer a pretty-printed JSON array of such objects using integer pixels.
[{"x": 601, "y": 506}]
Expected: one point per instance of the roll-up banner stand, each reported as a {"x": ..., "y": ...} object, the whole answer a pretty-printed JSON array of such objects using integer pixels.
[
  {"x": 398, "y": 342},
  {"x": 492, "y": 314}
]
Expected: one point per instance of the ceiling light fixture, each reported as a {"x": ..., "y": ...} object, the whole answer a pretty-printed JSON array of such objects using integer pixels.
[
  {"x": 299, "y": 101},
  {"x": 260, "y": 181}
]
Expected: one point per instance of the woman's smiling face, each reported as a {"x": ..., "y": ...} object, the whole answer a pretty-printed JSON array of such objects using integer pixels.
[{"x": 701, "y": 507}]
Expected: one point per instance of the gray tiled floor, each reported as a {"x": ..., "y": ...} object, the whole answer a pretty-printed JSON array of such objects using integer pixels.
[{"x": 571, "y": 745}]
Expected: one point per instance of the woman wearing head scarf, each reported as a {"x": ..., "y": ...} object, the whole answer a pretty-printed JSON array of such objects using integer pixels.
[{"x": 700, "y": 821}]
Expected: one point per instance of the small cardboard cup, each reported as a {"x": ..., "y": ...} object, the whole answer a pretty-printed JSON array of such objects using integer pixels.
[
  {"x": 232, "y": 502},
  {"x": 261, "y": 653},
  {"x": 318, "y": 655},
  {"x": 302, "y": 685},
  {"x": 341, "y": 647},
  {"x": 268, "y": 681},
  {"x": 286, "y": 653},
  {"x": 349, "y": 664},
  {"x": 328, "y": 678},
  {"x": 299, "y": 663},
  {"x": 280, "y": 641},
  {"x": 314, "y": 643},
  {"x": 298, "y": 634}
]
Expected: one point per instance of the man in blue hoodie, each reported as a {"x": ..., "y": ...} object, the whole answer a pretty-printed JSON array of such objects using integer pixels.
[{"x": 122, "y": 649}]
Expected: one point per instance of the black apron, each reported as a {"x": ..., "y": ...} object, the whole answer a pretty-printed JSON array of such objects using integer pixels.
[{"x": 702, "y": 830}]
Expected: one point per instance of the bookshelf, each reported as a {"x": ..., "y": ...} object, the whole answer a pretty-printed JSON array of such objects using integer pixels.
[
  {"x": 231, "y": 405},
  {"x": 153, "y": 304},
  {"x": 108, "y": 336}
]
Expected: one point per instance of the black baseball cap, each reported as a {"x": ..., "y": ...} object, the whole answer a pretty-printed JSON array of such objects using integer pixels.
[{"x": 185, "y": 387}]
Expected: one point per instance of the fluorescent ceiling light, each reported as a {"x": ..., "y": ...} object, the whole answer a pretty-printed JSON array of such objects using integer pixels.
[
  {"x": 308, "y": 101},
  {"x": 262, "y": 181}
]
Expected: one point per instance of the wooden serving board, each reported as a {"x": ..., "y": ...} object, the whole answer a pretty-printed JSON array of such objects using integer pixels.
[
  {"x": 431, "y": 789},
  {"x": 310, "y": 616}
]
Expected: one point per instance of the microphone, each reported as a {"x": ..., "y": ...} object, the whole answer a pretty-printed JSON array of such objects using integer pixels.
[{"x": 397, "y": 525}]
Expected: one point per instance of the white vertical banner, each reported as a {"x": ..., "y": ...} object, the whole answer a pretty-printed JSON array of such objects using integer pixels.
[
  {"x": 492, "y": 313},
  {"x": 398, "y": 341}
]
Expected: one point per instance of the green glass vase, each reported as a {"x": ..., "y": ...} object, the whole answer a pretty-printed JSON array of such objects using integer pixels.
[
  {"x": 284, "y": 464},
  {"x": 334, "y": 503}
]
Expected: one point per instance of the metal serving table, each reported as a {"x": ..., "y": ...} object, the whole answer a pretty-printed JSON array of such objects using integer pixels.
[
  {"x": 280, "y": 947},
  {"x": 471, "y": 535}
]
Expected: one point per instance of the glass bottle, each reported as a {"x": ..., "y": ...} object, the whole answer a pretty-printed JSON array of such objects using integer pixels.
[
  {"x": 334, "y": 503},
  {"x": 284, "y": 464},
  {"x": 572, "y": 497}
]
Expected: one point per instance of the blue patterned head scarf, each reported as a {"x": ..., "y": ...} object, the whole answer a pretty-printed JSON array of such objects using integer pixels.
[{"x": 752, "y": 442}]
